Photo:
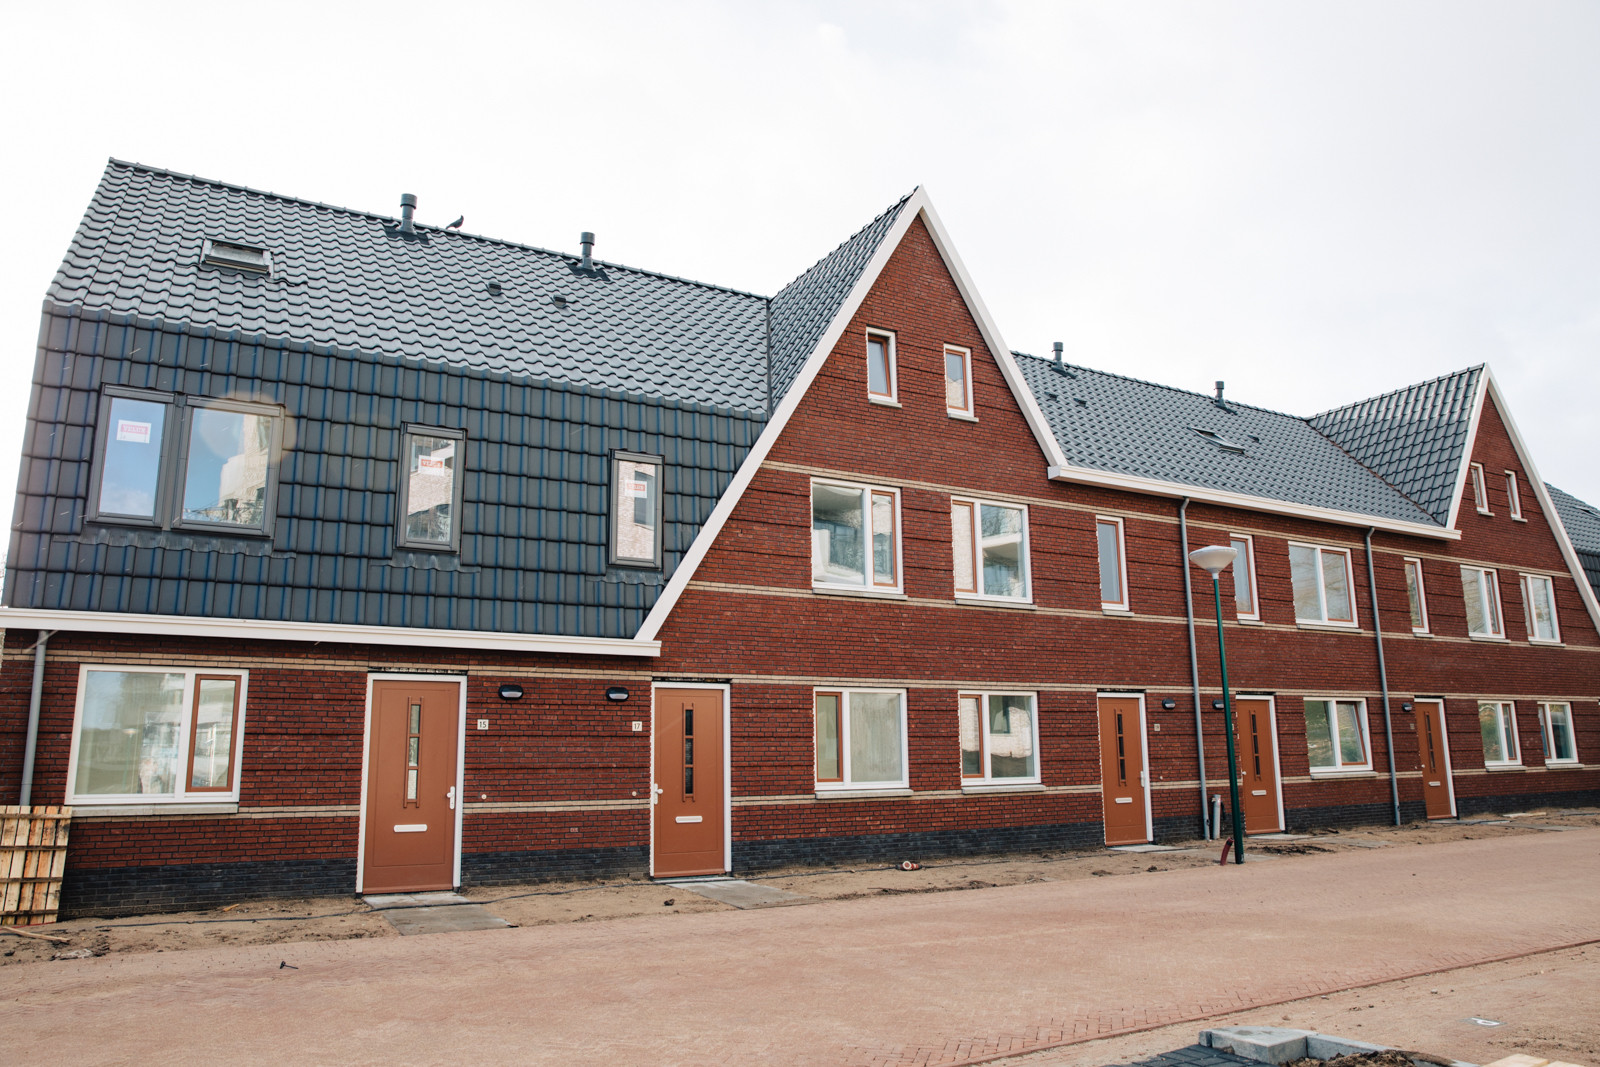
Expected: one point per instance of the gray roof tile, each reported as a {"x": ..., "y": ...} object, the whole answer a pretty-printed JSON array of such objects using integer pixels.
[{"x": 1582, "y": 522}]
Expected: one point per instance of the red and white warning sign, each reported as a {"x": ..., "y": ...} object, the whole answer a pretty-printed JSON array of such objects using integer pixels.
[{"x": 137, "y": 432}]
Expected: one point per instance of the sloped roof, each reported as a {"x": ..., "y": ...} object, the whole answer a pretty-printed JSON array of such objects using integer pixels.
[
  {"x": 803, "y": 309},
  {"x": 1582, "y": 521},
  {"x": 1415, "y": 437},
  {"x": 1121, "y": 425},
  {"x": 349, "y": 279}
]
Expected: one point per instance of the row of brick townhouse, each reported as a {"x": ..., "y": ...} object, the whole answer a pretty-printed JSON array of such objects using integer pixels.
[{"x": 353, "y": 554}]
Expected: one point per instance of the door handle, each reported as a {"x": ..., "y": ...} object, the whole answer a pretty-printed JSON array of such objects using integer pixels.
[
  {"x": 656, "y": 792},
  {"x": 450, "y": 795},
  {"x": 1144, "y": 779}
]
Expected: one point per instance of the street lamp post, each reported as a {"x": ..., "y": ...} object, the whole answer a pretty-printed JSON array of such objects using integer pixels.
[{"x": 1214, "y": 559}]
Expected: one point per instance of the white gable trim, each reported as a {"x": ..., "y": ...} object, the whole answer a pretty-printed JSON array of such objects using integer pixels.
[{"x": 1465, "y": 470}]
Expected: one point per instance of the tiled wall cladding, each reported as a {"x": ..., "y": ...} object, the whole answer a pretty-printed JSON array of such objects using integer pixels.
[{"x": 533, "y": 548}]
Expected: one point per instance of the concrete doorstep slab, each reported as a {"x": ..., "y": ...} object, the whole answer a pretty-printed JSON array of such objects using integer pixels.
[
  {"x": 1281, "y": 1044},
  {"x": 739, "y": 893},
  {"x": 1143, "y": 848},
  {"x": 433, "y": 913}
]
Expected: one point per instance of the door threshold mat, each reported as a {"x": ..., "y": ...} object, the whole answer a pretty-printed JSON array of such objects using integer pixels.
[
  {"x": 1143, "y": 848},
  {"x": 739, "y": 893},
  {"x": 433, "y": 913}
]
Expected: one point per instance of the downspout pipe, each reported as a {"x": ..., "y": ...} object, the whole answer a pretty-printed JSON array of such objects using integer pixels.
[
  {"x": 1194, "y": 666},
  {"x": 31, "y": 746},
  {"x": 1383, "y": 678}
]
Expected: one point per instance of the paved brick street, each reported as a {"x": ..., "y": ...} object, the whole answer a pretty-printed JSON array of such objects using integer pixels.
[{"x": 935, "y": 979}]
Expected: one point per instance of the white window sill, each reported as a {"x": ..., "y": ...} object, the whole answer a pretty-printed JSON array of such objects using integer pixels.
[
  {"x": 1563, "y": 765},
  {"x": 1518, "y": 518},
  {"x": 861, "y": 794},
  {"x": 972, "y": 600},
  {"x": 1249, "y": 621},
  {"x": 1497, "y": 767},
  {"x": 1002, "y": 787},
  {"x": 1112, "y": 609},
  {"x": 962, "y": 415},
  {"x": 1421, "y": 633},
  {"x": 861, "y": 591},
  {"x": 1318, "y": 624},
  {"x": 1485, "y": 511},
  {"x": 174, "y": 808},
  {"x": 1547, "y": 642},
  {"x": 1343, "y": 772},
  {"x": 884, "y": 402},
  {"x": 1488, "y": 637}
]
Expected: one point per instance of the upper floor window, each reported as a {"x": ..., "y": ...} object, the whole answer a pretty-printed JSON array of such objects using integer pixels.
[
  {"x": 1555, "y": 722},
  {"x": 1539, "y": 605},
  {"x": 635, "y": 510},
  {"x": 989, "y": 543},
  {"x": 1497, "y": 722},
  {"x": 855, "y": 537},
  {"x": 1480, "y": 587},
  {"x": 156, "y": 734},
  {"x": 1480, "y": 489},
  {"x": 1321, "y": 578},
  {"x": 1113, "y": 564},
  {"x": 1416, "y": 597},
  {"x": 958, "y": 380},
  {"x": 881, "y": 383},
  {"x": 430, "y": 494},
  {"x": 999, "y": 738},
  {"x": 1513, "y": 498},
  {"x": 1336, "y": 735},
  {"x": 166, "y": 460},
  {"x": 1244, "y": 577}
]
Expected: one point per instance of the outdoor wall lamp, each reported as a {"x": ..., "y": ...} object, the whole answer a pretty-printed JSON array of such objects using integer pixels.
[
  {"x": 1214, "y": 559},
  {"x": 1407, "y": 706},
  {"x": 1168, "y": 705},
  {"x": 511, "y": 691},
  {"x": 616, "y": 692}
]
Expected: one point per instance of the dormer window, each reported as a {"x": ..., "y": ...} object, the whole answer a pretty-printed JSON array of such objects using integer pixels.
[{"x": 236, "y": 257}]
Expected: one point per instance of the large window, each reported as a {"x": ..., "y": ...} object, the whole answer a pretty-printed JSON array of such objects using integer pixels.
[
  {"x": 1497, "y": 721},
  {"x": 1539, "y": 605},
  {"x": 855, "y": 537},
  {"x": 958, "y": 381},
  {"x": 635, "y": 510},
  {"x": 1113, "y": 564},
  {"x": 153, "y": 734},
  {"x": 1244, "y": 577},
  {"x": 881, "y": 378},
  {"x": 1555, "y": 722},
  {"x": 1322, "y": 588},
  {"x": 1480, "y": 588},
  {"x": 999, "y": 738},
  {"x": 1336, "y": 735},
  {"x": 989, "y": 545},
  {"x": 1416, "y": 596},
  {"x": 861, "y": 738},
  {"x": 174, "y": 461},
  {"x": 430, "y": 495}
]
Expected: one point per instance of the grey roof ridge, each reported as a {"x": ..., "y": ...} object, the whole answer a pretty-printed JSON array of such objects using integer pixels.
[
  {"x": 858, "y": 232},
  {"x": 358, "y": 213},
  {"x": 1159, "y": 385},
  {"x": 1401, "y": 389}
]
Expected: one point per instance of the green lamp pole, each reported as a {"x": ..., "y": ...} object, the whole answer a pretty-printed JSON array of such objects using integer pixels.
[{"x": 1214, "y": 559}]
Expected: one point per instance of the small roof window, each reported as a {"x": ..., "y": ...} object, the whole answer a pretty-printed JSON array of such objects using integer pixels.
[
  {"x": 1224, "y": 443},
  {"x": 237, "y": 256}
]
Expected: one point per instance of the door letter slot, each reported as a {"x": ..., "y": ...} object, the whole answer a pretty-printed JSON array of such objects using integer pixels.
[
  {"x": 410, "y": 827},
  {"x": 690, "y": 818}
]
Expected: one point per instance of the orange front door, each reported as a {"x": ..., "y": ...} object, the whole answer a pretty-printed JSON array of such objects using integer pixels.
[
  {"x": 1258, "y": 764},
  {"x": 1122, "y": 773},
  {"x": 1438, "y": 792},
  {"x": 412, "y": 790},
  {"x": 689, "y": 814}
]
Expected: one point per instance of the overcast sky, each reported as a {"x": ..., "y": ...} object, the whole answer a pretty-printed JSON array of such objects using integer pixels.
[{"x": 1317, "y": 202}]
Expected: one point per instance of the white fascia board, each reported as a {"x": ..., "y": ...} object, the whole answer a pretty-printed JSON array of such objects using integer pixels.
[
  {"x": 1552, "y": 517},
  {"x": 117, "y": 622},
  {"x": 1465, "y": 471},
  {"x": 1155, "y": 487},
  {"x": 780, "y": 419}
]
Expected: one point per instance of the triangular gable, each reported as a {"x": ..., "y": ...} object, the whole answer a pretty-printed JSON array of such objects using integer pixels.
[{"x": 893, "y": 231}]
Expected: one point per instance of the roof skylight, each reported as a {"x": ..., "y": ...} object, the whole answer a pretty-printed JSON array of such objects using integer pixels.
[
  {"x": 237, "y": 256},
  {"x": 1227, "y": 444}
]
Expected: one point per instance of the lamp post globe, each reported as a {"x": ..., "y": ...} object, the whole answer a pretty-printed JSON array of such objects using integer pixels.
[{"x": 1214, "y": 559}]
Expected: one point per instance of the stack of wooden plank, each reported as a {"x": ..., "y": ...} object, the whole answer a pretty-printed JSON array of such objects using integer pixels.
[{"x": 33, "y": 855}]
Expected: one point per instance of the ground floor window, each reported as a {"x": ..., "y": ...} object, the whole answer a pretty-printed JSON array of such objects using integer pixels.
[
  {"x": 1497, "y": 721},
  {"x": 152, "y": 734},
  {"x": 999, "y": 738},
  {"x": 861, "y": 738},
  {"x": 1556, "y": 722},
  {"x": 1336, "y": 735}
]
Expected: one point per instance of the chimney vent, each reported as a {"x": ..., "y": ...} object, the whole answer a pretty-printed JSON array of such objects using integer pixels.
[
  {"x": 1219, "y": 392},
  {"x": 1058, "y": 346},
  {"x": 587, "y": 240},
  {"x": 408, "y": 207}
]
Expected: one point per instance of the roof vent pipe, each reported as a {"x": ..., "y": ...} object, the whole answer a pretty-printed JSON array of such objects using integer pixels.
[
  {"x": 1219, "y": 392},
  {"x": 1058, "y": 346},
  {"x": 587, "y": 240},
  {"x": 408, "y": 206}
]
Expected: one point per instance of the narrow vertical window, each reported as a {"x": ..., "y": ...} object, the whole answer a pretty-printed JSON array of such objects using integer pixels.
[
  {"x": 957, "y": 380},
  {"x": 1497, "y": 722},
  {"x": 430, "y": 488},
  {"x": 1513, "y": 498},
  {"x": 1539, "y": 605},
  {"x": 413, "y": 752},
  {"x": 1415, "y": 596},
  {"x": 211, "y": 733},
  {"x": 1480, "y": 589},
  {"x": 1480, "y": 489},
  {"x": 1108, "y": 543},
  {"x": 989, "y": 547},
  {"x": 1321, "y": 578},
  {"x": 830, "y": 767},
  {"x": 880, "y": 366},
  {"x": 132, "y": 431},
  {"x": 963, "y": 545},
  {"x": 1243, "y": 573},
  {"x": 1555, "y": 719},
  {"x": 855, "y": 538},
  {"x": 635, "y": 510}
]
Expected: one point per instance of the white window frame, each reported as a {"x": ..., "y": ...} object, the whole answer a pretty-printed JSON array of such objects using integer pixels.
[
  {"x": 975, "y": 506},
  {"x": 1480, "y": 490},
  {"x": 1354, "y": 622},
  {"x": 892, "y": 397},
  {"x": 1122, "y": 562},
  {"x": 1513, "y": 497},
  {"x": 986, "y": 779},
  {"x": 1338, "y": 766},
  {"x": 1506, "y": 713},
  {"x": 846, "y": 784},
  {"x": 1488, "y": 579},
  {"x": 182, "y": 796},
  {"x": 1526, "y": 581},
  {"x": 1249, "y": 571},
  {"x": 870, "y": 587},
  {"x": 1422, "y": 594},
  {"x": 1548, "y": 731},
  {"x": 971, "y": 410}
]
